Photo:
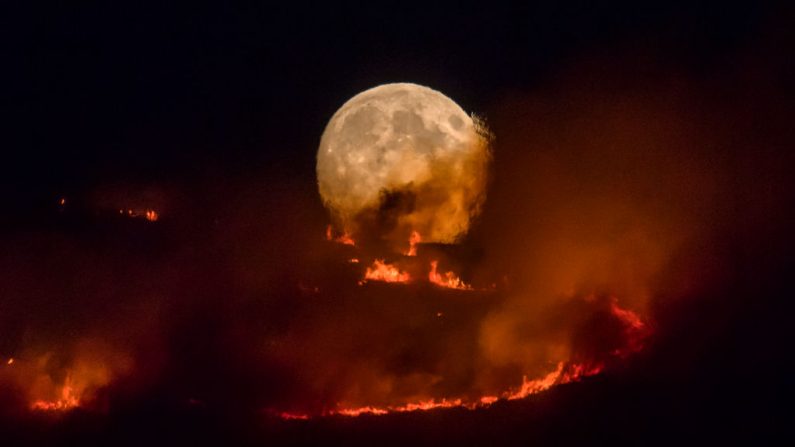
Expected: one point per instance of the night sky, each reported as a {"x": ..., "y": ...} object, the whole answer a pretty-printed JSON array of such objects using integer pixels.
[
  {"x": 105, "y": 92},
  {"x": 212, "y": 115}
]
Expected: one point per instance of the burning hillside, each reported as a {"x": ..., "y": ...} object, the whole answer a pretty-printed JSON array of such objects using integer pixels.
[{"x": 375, "y": 317}]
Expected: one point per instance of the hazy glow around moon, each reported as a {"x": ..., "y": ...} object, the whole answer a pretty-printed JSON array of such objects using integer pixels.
[{"x": 410, "y": 141}]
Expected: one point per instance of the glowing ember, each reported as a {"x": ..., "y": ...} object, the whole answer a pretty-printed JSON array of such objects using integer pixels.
[
  {"x": 344, "y": 238},
  {"x": 449, "y": 279},
  {"x": 10, "y": 361},
  {"x": 381, "y": 271},
  {"x": 414, "y": 239}
]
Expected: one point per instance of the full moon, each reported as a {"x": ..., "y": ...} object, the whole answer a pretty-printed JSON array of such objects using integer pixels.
[{"x": 405, "y": 156}]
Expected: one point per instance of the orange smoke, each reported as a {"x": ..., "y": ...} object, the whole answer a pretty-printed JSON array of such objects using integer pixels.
[
  {"x": 61, "y": 382},
  {"x": 69, "y": 397}
]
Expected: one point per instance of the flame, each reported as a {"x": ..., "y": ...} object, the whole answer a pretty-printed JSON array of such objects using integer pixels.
[
  {"x": 537, "y": 385},
  {"x": 577, "y": 371},
  {"x": 635, "y": 331},
  {"x": 424, "y": 405},
  {"x": 564, "y": 372},
  {"x": 293, "y": 416},
  {"x": 488, "y": 400},
  {"x": 148, "y": 214},
  {"x": 63, "y": 381},
  {"x": 69, "y": 397},
  {"x": 449, "y": 279},
  {"x": 414, "y": 239},
  {"x": 344, "y": 239},
  {"x": 381, "y": 271},
  {"x": 361, "y": 411}
]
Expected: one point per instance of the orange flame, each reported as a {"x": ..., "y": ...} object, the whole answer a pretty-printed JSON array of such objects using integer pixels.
[
  {"x": 414, "y": 239},
  {"x": 53, "y": 387},
  {"x": 361, "y": 411},
  {"x": 564, "y": 372},
  {"x": 344, "y": 239},
  {"x": 449, "y": 279},
  {"x": 69, "y": 398},
  {"x": 425, "y": 405},
  {"x": 148, "y": 214},
  {"x": 381, "y": 271},
  {"x": 537, "y": 385}
]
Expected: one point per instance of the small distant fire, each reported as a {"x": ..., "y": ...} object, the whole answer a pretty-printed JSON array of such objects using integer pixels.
[
  {"x": 148, "y": 214},
  {"x": 59, "y": 382},
  {"x": 380, "y": 270}
]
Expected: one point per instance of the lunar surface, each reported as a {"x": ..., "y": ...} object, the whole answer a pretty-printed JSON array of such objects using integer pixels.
[{"x": 404, "y": 156}]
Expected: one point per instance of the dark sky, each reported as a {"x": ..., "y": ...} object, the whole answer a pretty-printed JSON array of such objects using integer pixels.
[{"x": 103, "y": 91}]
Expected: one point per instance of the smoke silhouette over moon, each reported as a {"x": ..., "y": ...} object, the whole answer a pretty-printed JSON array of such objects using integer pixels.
[{"x": 408, "y": 157}]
